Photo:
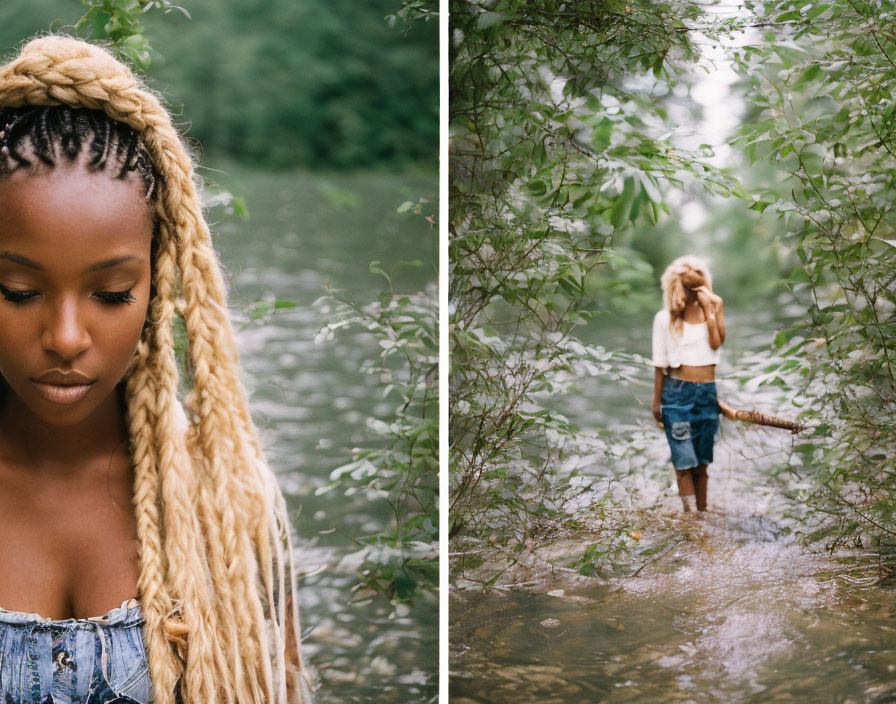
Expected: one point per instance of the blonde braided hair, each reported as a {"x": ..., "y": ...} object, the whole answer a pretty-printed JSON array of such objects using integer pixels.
[{"x": 217, "y": 581}]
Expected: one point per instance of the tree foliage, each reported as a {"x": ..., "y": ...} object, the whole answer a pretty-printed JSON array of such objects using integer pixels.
[
  {"x": 320, "y": 83},
  {"x": 274, "y": 83},
  {"x": 400, "y": 463},
  {"x": 558, "y": 144},
  {"x": 823, "y": 80}
]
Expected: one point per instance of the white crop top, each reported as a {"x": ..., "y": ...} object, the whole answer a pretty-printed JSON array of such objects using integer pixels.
[{"x": 692, "y": 348}]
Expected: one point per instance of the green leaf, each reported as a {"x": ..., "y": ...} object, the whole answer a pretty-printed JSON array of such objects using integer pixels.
[
  {"x": 622, "y": 205},
  {"x": 799, "y": 276},
  {"x": 782, "y": 337},
  {"x": 136, "y": 41},
  {"x": 240, "y": 209},
  {"x": 810, "y": 74},
  {"x": 602, "y": 132},
  {"x": 405, "y": 584},
  {"x": 97, "y": 19},
  {"x": 537, "y": 188}
]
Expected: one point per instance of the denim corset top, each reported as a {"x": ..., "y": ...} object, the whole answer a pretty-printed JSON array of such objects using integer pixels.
[{"x": 97, "y": 660}]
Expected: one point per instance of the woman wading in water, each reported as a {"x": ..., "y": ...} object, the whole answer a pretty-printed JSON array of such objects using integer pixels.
[
  {"x": 687, "y": 338},
  {"x": 109, "y": 493}
]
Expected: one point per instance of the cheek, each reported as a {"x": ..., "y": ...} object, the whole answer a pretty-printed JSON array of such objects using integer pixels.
[{"x": 17, "y": 336}]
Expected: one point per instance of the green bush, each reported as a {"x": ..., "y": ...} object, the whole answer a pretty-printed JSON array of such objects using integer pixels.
[
  {"x": 823, "y": 81},
  {"x": 559, "y": 147}
]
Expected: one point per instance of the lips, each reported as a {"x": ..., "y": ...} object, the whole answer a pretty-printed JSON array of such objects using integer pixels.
[{"x": 63, "y": 387}]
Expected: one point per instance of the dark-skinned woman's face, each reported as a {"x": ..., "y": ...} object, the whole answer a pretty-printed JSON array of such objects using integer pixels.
[{"x": 74, "y": 285}]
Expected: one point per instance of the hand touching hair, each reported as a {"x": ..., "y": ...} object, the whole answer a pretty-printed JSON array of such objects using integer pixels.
[{"x": 681, "y": 277}]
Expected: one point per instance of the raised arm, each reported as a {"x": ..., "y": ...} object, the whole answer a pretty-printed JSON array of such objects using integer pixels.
[
  {"x": 720, "y": 316},
  {"x": 713, "y": 309}
]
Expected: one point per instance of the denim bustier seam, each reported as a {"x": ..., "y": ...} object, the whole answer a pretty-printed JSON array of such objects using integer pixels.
[{"x": 100, "y": 660}]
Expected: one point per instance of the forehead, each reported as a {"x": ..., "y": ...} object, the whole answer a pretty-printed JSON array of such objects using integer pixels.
[{"x": 71, "y": 215}]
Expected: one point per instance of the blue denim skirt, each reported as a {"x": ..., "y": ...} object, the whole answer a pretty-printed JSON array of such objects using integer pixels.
[{"x": 691, "y": 420}]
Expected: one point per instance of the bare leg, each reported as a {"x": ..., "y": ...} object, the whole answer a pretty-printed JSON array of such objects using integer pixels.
[
  {"x": 685, "y": 488},
  {"x": 700, "y": 479}
]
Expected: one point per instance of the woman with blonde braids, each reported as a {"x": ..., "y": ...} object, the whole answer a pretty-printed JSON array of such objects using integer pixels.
[
  {"x": 108, "y": 491},
  {"x": 687, "y": 338}
]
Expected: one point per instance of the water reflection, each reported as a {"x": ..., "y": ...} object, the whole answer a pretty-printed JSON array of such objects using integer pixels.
[{"x": 732, "y": 613}]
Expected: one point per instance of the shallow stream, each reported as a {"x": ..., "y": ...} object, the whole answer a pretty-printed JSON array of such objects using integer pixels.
[
  {"x": 725, "y": 608},
  {"x": 311, "y": 401}
]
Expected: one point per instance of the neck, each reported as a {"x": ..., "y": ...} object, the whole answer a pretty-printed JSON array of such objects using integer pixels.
[{"x": 48, "y": 450}]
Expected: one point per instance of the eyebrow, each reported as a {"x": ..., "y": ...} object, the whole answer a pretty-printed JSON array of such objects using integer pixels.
[{"x": 99, "y": 266}]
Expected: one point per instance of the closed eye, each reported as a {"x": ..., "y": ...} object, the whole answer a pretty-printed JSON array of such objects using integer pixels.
[
  {"x": 111, "y": 297},
  {"x": 115, "y": 296},
  {"x": 15, "y": 296}
]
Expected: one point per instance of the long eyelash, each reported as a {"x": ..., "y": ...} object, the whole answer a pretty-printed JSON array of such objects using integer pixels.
[
  {"x": 17, "y": 296},
  {"x": 115, "y": 296},
  {"x": 14, "y": 296}
]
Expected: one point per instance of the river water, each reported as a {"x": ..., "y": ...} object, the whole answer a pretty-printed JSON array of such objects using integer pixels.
[
  {"x": 312, "y": 400},
  {"x": 725, "y": 608}
]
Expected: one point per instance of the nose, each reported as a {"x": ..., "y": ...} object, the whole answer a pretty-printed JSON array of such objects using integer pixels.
[{"x": 65, "y": 332}]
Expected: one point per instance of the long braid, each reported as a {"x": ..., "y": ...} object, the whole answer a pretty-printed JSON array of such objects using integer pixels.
[
  {"x": 152, "y": 585},
  {"x": 183, "y": 543},
  {"x": 212, "y": 578},
  {"x": 207, "y": 326}
]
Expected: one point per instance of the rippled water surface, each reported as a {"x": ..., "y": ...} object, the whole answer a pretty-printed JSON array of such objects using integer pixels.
[
  {"x": 312, "y": 402},
  {"x": 727, "y": 608}
]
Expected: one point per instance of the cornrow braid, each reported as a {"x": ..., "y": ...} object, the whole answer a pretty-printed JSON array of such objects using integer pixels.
[
  {"x": 43, "y": 135},
  {"x": 217, "y": 580}
]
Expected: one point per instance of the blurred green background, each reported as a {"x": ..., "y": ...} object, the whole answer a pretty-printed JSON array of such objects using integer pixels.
[{"x": 320, "y": 83}]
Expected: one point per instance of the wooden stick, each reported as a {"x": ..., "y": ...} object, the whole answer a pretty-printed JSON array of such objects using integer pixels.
[{"x": 759, "y": 418}]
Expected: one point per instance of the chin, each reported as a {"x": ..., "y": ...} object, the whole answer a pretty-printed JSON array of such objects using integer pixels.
[{"x": 65, "y": 414}]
